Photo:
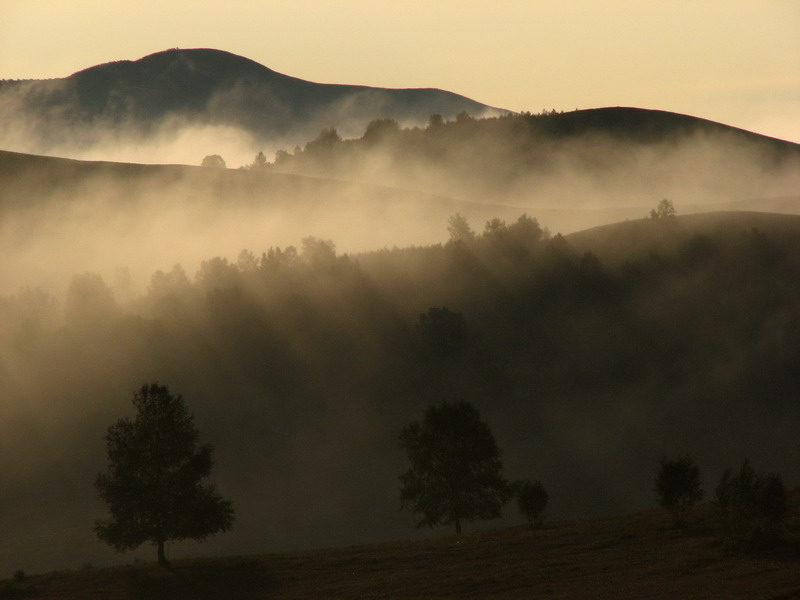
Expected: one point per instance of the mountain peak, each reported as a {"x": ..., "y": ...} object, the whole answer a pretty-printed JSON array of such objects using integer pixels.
[
  {"x": 162, "y": 68},
  {"x": 207, "y": 86}
]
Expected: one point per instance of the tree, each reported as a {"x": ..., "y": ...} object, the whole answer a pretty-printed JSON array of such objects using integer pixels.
[
  {"x": 89, "y": 302},
  {"x": 459, "y": 229},
  {"x": 664, "y": 211},
  {"x": 532, "y": 499},
  {"x": 327, "y": 139},
  {"x": 435, "y": 122},
  {"x": 379, "y": 129},
  {"x": 259, "y": 162},
  {"x": 678, "y": 485},
  {"x": 495, "y": 228},
  {"x": 154, "y": 486},
  {"x": 214, "y": 161},
  {"x": 752, "y": 505},
  {"x": 455, "y": 472}
]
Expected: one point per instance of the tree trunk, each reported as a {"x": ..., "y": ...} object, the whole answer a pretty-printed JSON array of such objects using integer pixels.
[
  {"x": 458, "y": 526},
  {"x": 162, "y": 558}
]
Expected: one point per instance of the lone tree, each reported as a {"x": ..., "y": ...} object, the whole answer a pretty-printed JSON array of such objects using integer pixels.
[
  {"x": 214, "y": 161},
  {"x": 154, "y": 484},
  {"x": 678, "y": 485},
  {"x": 532, "y": 500},
  {"x": 455, "y": 472}
]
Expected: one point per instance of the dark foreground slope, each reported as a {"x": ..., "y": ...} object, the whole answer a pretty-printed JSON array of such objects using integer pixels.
[{"x": 632, "y": 556}]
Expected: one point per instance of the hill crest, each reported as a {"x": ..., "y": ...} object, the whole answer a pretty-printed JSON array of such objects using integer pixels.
[{"x": 206, "y": 87}]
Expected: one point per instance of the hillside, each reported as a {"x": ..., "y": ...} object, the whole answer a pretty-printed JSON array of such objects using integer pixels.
[
  {"x": 302, "y": 364},
  {"x": 187, "y": 214},
  {"x": 201, "y": 87},
  {"x": 633, "y": 556},
  {"x": 606, "y": 160}
]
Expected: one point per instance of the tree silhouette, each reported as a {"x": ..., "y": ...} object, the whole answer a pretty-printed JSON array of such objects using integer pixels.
[
  {"x": 259, "y": 162},
  {"x": 664, "y": 211},
  {"x": 154, "y": 484},
  {"x": 455, "y": 472},
  {"x": 214, "y": 161},
  {"x": 678, "y": 485},
  {"x": 752, "y": 506},
  {"x": 459, "y": 229},
  {"x": 379, "y": 129},
  {"x": 532, "y": 499}
]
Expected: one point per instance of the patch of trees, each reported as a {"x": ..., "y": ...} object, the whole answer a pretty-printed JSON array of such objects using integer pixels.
[
  {"x": 304, "y": 361},
  {"x": 750, "y": 507},
  {"x": 501, "y": 158}
]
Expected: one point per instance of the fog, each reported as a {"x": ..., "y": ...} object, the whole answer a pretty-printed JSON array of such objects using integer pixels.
[{"x": 302, "y": 366}]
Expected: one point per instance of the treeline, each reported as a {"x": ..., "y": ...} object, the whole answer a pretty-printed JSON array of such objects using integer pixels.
[
  {"x": 624, "y": 152},
  {"x": 303, "y": 364},
  {"x": 490, "y": 155}
]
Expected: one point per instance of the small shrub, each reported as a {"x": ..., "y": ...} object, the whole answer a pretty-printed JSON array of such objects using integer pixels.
[
  {"x": 19, "y": 575},
  {"x": 532, "y": 499},
  {"x": 678, "y": 486},
  {"x": 752, "y": 507}
]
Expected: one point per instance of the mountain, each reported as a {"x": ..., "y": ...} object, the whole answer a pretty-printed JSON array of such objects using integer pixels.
[{"x": 210, "y": 87}]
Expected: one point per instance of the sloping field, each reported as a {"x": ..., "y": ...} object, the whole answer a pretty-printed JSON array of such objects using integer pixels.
[{"x": 633, "y": 556}]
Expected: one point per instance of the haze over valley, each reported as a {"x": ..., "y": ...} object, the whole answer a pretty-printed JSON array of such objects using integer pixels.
[{"x": 282, "y": 296}]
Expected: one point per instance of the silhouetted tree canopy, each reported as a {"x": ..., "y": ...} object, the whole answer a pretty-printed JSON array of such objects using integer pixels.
[
  {"x": 752, "y": 506},
  {"x": 459, "y": 229},
  {"x": 664, "y": 210},
  {"x": 456, "y": 471},
  {"x": 214, "y": 161},
  {"x": 678, "y": 485},
  {"x": 154, "y": 485},
  {"x": 379, "y": 129},
  {"x": 325, "y": 141},
  {"x": 259, "y": 162},
  {"x": 532, "y": 500}
]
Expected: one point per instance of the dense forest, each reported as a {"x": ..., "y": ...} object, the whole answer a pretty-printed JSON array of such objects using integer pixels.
[{"x": 590, "y": 356}]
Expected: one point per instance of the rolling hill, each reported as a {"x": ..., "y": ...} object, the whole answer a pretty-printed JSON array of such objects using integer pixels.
[
  {"x": 590, "y": 356},
  {"x": 186, "y": 213},
  {"x": 201, "y": 87},
  {"x": 607, "y": 159}
]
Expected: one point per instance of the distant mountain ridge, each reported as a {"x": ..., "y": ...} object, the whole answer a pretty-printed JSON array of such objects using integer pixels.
[{"x": 215, "y": 87}]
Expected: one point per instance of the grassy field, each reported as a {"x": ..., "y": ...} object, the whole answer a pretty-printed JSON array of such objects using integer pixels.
[{"x": 640, "y": 555}]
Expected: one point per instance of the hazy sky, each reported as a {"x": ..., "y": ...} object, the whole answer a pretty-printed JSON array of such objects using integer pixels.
[{"x": 735, "y": 61}]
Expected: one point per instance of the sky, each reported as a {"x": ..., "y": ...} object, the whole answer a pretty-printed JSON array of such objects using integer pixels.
[{"x": 733, "y": 61}]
